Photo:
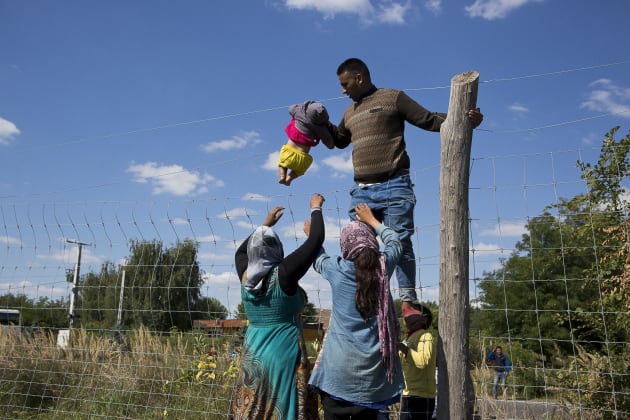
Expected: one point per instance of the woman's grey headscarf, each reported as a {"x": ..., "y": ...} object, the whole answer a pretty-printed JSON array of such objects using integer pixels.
[{"x": 264, "y": 252}]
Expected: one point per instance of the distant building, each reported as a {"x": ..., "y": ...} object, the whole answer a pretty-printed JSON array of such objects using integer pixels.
[
  {"x": 221, "y": 327},
  {"x": 10, "y": 321},
  {"x": 324, "y": 317},
  {"x": 237, "y": 327},
  {"x": 316, "y": 330},
  {"x": 10, "y": 317}
]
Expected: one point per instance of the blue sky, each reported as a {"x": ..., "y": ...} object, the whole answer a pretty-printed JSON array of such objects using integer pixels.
[{"x": 162, "y": 120}]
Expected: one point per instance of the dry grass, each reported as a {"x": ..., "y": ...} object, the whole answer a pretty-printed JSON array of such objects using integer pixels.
[{"x": 155, "y": 377}]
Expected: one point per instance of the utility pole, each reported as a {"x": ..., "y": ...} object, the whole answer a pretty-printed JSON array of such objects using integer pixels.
[
  {"x": 122, "y": 294},
  {"x": 455, "y": 388},
  {"x": 75, "y": 282}
]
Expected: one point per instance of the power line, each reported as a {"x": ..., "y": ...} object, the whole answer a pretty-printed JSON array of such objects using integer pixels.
[
  {"x": 283, "y": 107},
  {"x": 543, "y": 127},
  {"x": 555, "y": 73}
]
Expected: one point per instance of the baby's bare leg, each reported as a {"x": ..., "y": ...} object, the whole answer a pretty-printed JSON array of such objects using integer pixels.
[
  {"x": 282, "y": 171},
  {"x": 290, "y": 177}
]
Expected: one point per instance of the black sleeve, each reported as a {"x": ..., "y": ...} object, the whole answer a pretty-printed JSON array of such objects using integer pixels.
[
  {"x": 240, "y": 259},
  {"x": 295, "y": 265}
]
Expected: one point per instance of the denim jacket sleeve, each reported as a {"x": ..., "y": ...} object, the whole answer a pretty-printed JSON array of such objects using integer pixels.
[
  {"x": 393, "y": 247},
  {"x": 320, "y": 261}
]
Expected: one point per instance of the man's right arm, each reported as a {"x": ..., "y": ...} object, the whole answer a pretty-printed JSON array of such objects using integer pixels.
[{"x": 340, "y": 134}]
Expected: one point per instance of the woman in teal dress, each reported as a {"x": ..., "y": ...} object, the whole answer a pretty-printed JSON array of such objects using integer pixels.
[{"x": 274, "y": 365}]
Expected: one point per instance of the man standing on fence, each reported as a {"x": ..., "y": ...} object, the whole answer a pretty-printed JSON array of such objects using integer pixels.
[
  {"x": 375, "y": 124},
  {"x": 501, "y": 365}
]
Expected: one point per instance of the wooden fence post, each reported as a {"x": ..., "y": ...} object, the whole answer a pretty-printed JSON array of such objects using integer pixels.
[{"x": 456, "y": 396}]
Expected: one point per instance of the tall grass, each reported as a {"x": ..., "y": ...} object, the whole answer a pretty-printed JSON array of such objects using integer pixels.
[{"x": 150, "y": 376}]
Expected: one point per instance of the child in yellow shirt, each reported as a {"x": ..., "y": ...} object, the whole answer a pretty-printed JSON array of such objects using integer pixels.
[{"x": 418, "y": 358}]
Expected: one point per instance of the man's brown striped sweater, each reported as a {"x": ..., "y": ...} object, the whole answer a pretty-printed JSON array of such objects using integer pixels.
[{"x": 375, "y": 127}]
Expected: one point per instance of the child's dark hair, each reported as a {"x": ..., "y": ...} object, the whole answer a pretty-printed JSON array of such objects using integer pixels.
[{"x": 427, "y": 315}]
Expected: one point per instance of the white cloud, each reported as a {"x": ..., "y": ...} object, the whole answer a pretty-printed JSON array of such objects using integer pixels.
[
  {"x": 173, "y": 179},
  {"x": 505, "y": 229},
  {"x": 590, "y": 139},
  {"x": 341, "y": 162},
  {"x": 220, "y": 278},
  {"x": 489, "y": 249},
  {"x": 35, "y": 289},
  {"x": 384, "y": 11},
  {"x": 271, "y": 164},
  {"x": 10, "y": 240},
  {"x": 518, "y": 108},
  {"x": 331, "y": 7},
  {"x": 237, "y": 212},
  {"x": 179, "y": 221},
  {"x": 69, "y": 255},
  {"x": 392, "y": 13},
  {"x": 608, "y": 97},
  {"x": 8, "y": 130},
  {"x": 495, "y": 9},
  {"x": 208, "y": 238},
  {"x": 206, "y": 258},
  {"x": 250, "y": 196},
  {"x": 435, "y": 6},
  {"x": 237, "y": 142},
  {"x": 224, "y": 286},
  {"x": 246, "y": 224}
]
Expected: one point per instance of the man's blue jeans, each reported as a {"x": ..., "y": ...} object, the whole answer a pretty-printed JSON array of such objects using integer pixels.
[
  {"x": 499, "y": 377},
  {"x": 393, "y": 203}
]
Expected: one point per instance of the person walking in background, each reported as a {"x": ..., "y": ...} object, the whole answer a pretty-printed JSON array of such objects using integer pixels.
[
  {"x": 418, "y": 358},
  {"x": 501, "y": 365},
  {"x": 358, "y": 371},
  {"x": 374, "y": 124},
  {"x": 274, "y": 364}
]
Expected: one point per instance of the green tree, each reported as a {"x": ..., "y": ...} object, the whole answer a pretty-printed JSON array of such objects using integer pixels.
[
  {"x": 182, "y": 281},
  {"x": 145, "y": 285},
  {"x": 240, "y": 313},
  {"x": 310, "y": 314},
  {"x": 162, "y": 290},
  {"x": 164, "y": 284},
  {"x": 564, "y": 290},
  {"x": 529, "y": 294},
  {"x": 604, "y": 179},
  {"x": 47, "y": 313},
  {"x": 97, "y": 300},
  {"x": 210, "y": 308},
  {"x": 545, "y": 289},
  {"x": 44, "y": 313}
]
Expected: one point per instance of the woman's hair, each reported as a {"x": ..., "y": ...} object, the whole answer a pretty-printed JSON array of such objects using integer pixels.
[{"x": 366, "y": 265}]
